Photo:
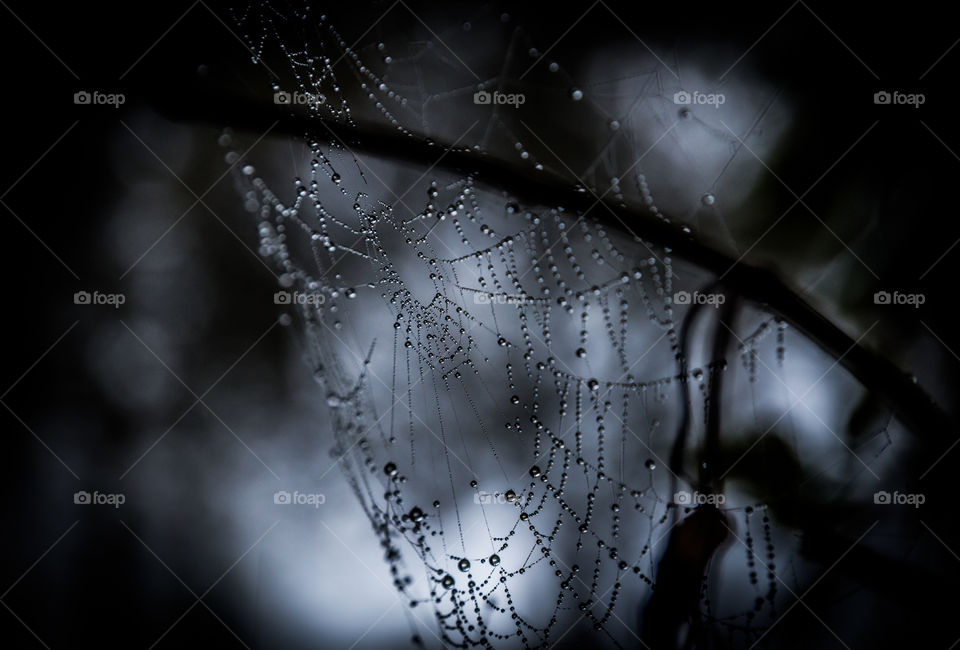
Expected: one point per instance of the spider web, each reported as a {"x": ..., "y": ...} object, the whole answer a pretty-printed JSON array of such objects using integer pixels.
[{"x": 504, "y": 380}]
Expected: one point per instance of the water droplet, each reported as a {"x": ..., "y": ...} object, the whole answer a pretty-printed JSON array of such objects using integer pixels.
[
  {"x": 535, "y": 471},
  {"x": 614, "y": 125},
  {"x": 650, "y": 464},
  {"x": 335, "y": 178},
  {"x": 416, "y": 515},
  {"x": 553, "y": 67},
  {"x": 593, "y": 384},
  {"x": 510, "y": 496},
  {"x": 464, "y": 564},
  {"x": 581, "y": 353},
  {"x": 447, "y": 581},
  {"x": 708, "y": 199},
  {"x": 515, "y": 399},
  {"x": 576, "y": 94},
  {"x": 351, "y": 293},
  {"x": 390, "y": 469},
  {"x": 473, "y": 484},
  {"x": 494, "y": 560}
]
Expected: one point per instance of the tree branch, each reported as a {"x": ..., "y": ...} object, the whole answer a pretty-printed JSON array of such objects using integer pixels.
[{"x": 911, "y": 404}]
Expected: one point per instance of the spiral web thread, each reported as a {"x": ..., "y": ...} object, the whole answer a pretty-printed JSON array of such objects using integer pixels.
[{"x": 505, "y": 430}]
